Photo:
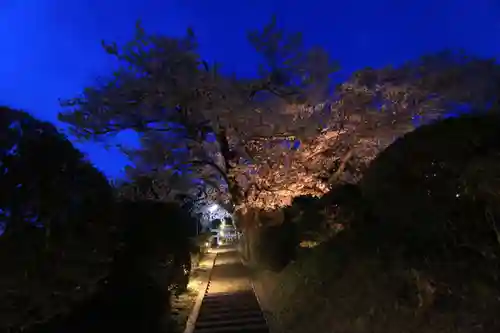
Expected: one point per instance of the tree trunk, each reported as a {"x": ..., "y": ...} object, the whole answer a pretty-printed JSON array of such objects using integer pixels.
[{"x": 343, "y": 163}]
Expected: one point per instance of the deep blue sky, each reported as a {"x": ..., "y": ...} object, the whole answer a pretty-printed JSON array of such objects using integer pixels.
[{"x": 51, "y": 48}]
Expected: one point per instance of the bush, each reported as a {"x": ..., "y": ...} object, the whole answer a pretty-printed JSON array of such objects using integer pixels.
[
  {"x": 318, "y": 219},
  {"x": 278, "y": 245},
  {"x": 434, "y": 193},
  {"x": 157, "y": 241},
  {"x": 58, "y": 232},
  {"x": 306, "y": 213},
  {"x": 148, "y": 266},
  {"x": 421, "y": 253}
]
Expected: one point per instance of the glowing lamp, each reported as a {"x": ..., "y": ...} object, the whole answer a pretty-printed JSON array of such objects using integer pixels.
[{"x": 213, "y": 208}]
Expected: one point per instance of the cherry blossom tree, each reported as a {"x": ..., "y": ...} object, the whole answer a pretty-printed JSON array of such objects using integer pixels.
[
  {"x": 364, "y": 116},
  {"x": 262, "y": 141},
  {"x": 165, "y": 87}
]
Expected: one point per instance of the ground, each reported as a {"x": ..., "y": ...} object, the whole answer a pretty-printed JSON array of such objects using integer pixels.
[
  {"x": 229, "y": 275},
  {"x": 334, "y": 290},
  {"x": 182, "y": 305}
]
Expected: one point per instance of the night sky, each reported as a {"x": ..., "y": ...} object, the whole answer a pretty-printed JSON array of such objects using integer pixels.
[{"x": 51, "y": 48}]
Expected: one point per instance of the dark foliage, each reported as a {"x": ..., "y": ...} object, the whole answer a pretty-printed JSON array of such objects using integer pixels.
[
  {"x": 305, "y": 212},
  {"x": 318, "y": 219},
  {"x": 215, "y": 224},
  {"x": 150, "y": 264},
  {"x": 40, "y": 168},
  {"x": 435, "y": 195},
  {"x": 158, "y": 232},
  {"x": 279, "y": 245},
  {"x": 56, "y": 212}
]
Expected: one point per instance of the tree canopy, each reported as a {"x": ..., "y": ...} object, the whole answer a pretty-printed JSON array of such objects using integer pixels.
[
  {"x": 281, "y": 134},
  {"x": 164, "y": 86},
  {"x": 56, "y": 215},
  {"x": 39, "y": 168}
]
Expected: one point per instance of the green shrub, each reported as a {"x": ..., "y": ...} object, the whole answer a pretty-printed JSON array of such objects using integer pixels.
[
  {"x": 306, "y": 213},
  {"x": 319, "y": 219},
  {"x": 434, "y": 195},
  {"x": 278, "y": 245},
  {"x": 157, "y": 241}
]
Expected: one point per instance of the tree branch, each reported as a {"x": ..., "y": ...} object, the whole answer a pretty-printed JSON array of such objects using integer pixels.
[
  {"x": 342, "y": 166},
  {"x": 213, "y": 165}
]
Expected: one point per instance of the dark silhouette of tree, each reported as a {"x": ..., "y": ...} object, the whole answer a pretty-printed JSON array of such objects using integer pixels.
[
  {"x": 215, "y": 224},
  {"x": 228, "y": 220},
  {"x": 57, "y": 216},
  {"x": 39, "y": 168},
  {"x": 145, "y": 187}
]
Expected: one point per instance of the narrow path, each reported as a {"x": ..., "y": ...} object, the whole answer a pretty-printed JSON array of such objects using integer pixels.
[
  {"x": 183, "y": 305},
  {"x": 229, "y": 304}
]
